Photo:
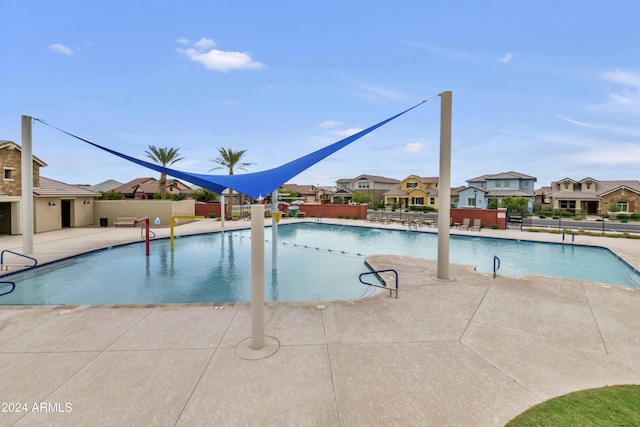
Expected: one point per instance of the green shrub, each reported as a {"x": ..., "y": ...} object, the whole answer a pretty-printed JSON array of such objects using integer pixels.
[
  {"x": 212, "y": 215},
  {"x": 622, "y": 217},
  {"x": 112, "y": 195},
  {"x": 355, "y": 217},
  {"x": 340, "y": 217},
  {"x": 494, "y": 226}
]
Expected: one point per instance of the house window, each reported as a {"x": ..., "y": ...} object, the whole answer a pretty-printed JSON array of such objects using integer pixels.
[
  {"x": 364, "y": 184},
  {"x": 566, "y": 186},
  {"x": 623, "y": 206},
  {"x": 588, "y": 186},
  {"x": 9, "y": 174},
  {"x": 417, "y": 200},
  {"x": 471, "y": 201},
  {"x": 432, "y": 200},
  {"x": 567, "y": 204},
  {"x": 506, "y": 184},
  {"x": 412, "y": 184},
  {"x": 498, "y": 184},
  {"x": 525, "y": 184}
]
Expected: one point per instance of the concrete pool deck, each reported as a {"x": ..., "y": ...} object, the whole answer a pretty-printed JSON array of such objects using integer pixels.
[{"x": 473, "y": 351}]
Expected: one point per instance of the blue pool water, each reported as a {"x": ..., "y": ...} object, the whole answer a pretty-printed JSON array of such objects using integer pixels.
[{"x": 315, "y": 262}]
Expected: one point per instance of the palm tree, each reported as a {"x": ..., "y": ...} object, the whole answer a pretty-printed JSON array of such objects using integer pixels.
[
  {"x": 230, "y": 160},
  {"x": 164, "y": 157}
]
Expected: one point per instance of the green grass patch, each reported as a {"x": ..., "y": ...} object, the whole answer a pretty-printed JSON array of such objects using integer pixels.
[{"x": 607, "y": 406}]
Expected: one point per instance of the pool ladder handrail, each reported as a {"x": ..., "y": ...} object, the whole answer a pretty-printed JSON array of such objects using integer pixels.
[
  {"x": 2, "y": 265},
  {"x": 12, "y": 288},
  {"x": 496, "y": 268},
  {"x": 152, "y": 235},
  {"x": 391, "y": 290}
]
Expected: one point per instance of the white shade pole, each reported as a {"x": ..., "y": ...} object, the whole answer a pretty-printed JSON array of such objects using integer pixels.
[
  {"x": 274, "y": 233},
  {"x": 257, "y": 277},
  {"x": 27, "y": 187},
  {"x": 444, "y": 186}
]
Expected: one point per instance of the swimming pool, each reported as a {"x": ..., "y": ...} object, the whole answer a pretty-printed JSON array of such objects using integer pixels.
[{"x": 315, "y": 262}]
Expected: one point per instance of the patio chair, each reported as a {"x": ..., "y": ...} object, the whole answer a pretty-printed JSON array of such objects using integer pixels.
[
  {"x": 466, "y": 223},
  {"x": 477, "y": 223}
]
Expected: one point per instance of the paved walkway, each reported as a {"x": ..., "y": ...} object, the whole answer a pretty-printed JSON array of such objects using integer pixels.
[{"x": 472, "y": 351}]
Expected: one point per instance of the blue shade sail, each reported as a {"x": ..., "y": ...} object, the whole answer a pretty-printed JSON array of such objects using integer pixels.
[{"x": 255, "y": 184}]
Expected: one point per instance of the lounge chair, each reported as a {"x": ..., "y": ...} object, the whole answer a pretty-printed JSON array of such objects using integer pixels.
[
  {"x": 477, "y": 223},
  {"x": 466, "y": 223}
]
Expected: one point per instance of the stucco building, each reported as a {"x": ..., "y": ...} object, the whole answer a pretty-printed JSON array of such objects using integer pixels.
[{"x": 56, "y": 205}]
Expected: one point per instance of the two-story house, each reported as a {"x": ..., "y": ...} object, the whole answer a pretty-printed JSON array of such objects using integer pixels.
[
  {"x": 372, "y": 185},
  {"x": 498, "y": 186},
  {"x": 307, "y": 193},
  {"x": 414, "y": 190},
  {"x": 55, "y": 204},
  {"x": 591, "y": 196}
]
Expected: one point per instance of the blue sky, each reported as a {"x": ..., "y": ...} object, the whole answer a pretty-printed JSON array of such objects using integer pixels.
[{"x": 546, "y": 88}]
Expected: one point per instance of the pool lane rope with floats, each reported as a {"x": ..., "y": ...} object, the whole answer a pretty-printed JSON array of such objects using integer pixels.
[{"x": 314, "y": 248}]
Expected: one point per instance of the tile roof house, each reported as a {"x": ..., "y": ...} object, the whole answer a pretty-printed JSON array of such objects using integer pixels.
[
  {"x": 105, "y": 186},
  {"x": 372, "y": 185},
  {"x": 307, "y": 193},
  {"x": 591, "y": 196},
  {"x": 145, "y": 188},
  {"x": 414, "y": 190}
]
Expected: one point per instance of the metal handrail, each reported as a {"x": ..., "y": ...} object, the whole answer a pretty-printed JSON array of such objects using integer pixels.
[
  {"x": 142, "y": 235},
  {"x": 379, "y": 278},
  {"x": 35, "y": 261},
  {"x": 12, "y": 289},
  {"x": 495, "y": 258}
]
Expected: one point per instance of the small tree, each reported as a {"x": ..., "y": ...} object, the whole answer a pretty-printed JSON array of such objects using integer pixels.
[
  {"x": 204, "y": 195},
  {"x": 111, "y": 195},
  {"x": 492, "y": 203},
  {"x": 515, "y": 204},
  {"x": 362, "y": 197}
]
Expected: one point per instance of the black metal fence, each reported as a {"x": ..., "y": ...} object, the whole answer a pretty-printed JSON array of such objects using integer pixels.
[{"x": 599, "y": 224}]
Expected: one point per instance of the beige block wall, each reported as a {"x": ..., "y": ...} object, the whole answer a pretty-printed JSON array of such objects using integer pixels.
[
  {"x": 46, "y": 218},
  {"x": 163, "y": 209},
  {"x": 82, "y": 211}
]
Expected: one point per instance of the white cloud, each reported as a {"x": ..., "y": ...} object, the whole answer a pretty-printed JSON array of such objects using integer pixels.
[
  {"x": 378, "y": 94},
  {"x": 329, "y": 124},
  {"x": 413, "y": 147},
  {"x": 623, "y": 78},
  {"x": 344, "y": 133},
  {"x": 204, "y": 44},
  {"x": 627, "y": 98},
  {"x": 218, "y": 60},
  {"x": 183, "y": 40},
  {"x": 583, "y": 124},
  {"x": 60, "y": 48},
  {"x": 443, "y": 51},
  {"x": 506, "y": 58}
]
